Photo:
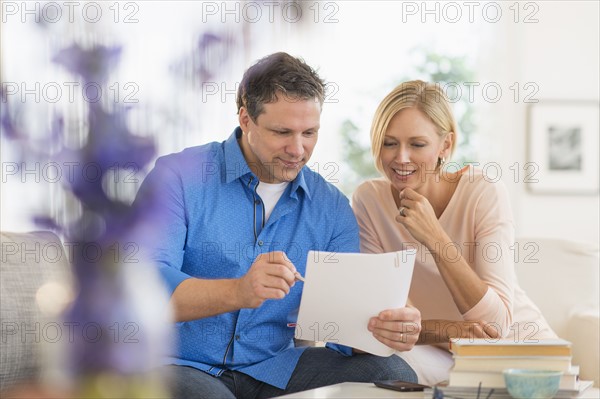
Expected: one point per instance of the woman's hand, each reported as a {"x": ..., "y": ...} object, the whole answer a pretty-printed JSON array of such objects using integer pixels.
[
  {"x": 397, "y": 328},
  {"x": 419, "y": 218}
]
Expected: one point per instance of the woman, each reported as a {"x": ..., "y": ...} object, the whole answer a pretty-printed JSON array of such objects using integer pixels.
[{"x": 460, "y": 222}]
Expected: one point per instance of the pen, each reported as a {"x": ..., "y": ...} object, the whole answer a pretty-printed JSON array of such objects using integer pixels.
[{"x": 299, "y": 277}]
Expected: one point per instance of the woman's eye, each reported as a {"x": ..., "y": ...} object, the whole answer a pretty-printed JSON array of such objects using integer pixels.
[
  {"x": 419, "y": 145},
  {"x": 388, "y": 144}
]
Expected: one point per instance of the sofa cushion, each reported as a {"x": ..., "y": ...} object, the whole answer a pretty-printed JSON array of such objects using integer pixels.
[
  {"x": 28, "y": 261},
  {"x": 558, "y": 275}
]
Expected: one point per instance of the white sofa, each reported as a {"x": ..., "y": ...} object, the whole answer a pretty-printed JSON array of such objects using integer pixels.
[
  {"x": 31, "y": 265},
  {"x": 562, "y": 278}
]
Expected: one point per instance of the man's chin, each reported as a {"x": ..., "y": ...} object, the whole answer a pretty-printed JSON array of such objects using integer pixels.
[{"x": 288, "y": 174}]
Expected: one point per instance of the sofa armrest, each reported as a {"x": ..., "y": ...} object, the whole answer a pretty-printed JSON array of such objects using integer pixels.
[
  {"x": 28, "y": 261},
  {"x": 584, "y": 332}
]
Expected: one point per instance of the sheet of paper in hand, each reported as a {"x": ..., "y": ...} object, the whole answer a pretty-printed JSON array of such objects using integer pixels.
[{"x": 343, "y": 291}]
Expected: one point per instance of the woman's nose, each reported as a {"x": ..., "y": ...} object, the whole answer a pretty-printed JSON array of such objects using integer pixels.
[{"x": 402, "y": 155}]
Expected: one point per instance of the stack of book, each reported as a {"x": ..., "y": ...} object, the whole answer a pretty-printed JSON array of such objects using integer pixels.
[{"x": 479, "y": 363}]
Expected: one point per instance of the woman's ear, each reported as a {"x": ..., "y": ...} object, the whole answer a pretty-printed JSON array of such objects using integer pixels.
[{"x": 447, "y": 145}]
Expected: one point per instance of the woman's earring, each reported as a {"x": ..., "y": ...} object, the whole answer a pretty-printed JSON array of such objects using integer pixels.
[{"x": 441, "y": 161}]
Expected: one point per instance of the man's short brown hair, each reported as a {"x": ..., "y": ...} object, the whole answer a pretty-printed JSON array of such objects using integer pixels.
[{"x": 278, "y": 73}]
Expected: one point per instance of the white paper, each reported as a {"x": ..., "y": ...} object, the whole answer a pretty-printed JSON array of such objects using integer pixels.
[{"x": 343, "y": 291}]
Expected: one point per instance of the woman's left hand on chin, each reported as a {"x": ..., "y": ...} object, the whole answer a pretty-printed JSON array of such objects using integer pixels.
[{"x": 417, "y": 215}]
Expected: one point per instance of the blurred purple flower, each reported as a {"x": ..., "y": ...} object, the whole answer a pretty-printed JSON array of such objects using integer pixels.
[
  {"x": 92, "y": 65},
  {"x": 102, "y": 297},
  {"x": 7, "y": 119},
  {"x": 102, "y": 306},
  {"x": 57, "y": 128},
  {"x": 111, "y": 143},
  {"x": 47, "y": 222},
  {"x": 207, "y": 44},
  {"x": 105, "y": 222},
  {"x": 205, "y": 61}
]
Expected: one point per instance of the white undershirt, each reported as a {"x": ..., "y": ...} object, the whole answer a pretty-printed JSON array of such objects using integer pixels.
[{"x": 270, "y": 194}]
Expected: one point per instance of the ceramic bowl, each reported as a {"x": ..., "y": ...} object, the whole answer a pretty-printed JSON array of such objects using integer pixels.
[{"x": 529, "y": 384}]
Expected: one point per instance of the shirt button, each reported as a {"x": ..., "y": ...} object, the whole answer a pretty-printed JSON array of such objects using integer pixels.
[
  {"x": 237, "y": 337},
  {"x": 257, "y": 202},
  {"x": 260, "y": 243}
]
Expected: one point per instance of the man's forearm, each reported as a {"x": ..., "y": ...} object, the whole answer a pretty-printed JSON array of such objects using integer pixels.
[{"x": 197, "y": 298}]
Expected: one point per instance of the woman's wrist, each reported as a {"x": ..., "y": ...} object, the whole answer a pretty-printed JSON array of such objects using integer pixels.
[{"x": 438, "y": 244}]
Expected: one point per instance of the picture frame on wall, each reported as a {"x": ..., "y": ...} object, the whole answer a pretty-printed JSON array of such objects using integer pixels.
[{"x": 563, "y": 147}]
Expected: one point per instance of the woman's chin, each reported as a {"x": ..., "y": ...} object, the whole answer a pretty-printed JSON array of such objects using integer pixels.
[
  {"x": 399, "y": 185},
  {"x": 401, "y": 182}
]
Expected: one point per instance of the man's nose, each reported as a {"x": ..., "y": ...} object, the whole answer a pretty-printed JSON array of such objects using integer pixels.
[{"x": 295, "y": 147}]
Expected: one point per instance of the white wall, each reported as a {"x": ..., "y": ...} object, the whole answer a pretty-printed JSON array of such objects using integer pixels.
[
  {"x": 364, "y": 53},
  {"x": 559, "y": 54}
]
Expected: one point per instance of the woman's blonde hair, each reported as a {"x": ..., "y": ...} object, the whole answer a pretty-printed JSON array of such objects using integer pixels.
[{"x": 428, "y": 98}]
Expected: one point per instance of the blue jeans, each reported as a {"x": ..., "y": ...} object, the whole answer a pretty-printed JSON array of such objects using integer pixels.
[{"x": 317, "y": 367}]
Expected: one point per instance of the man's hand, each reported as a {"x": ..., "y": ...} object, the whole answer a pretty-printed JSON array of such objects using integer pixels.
[
  {"x": 270, "y": 277},
  {"x": 397, "y": 328}
]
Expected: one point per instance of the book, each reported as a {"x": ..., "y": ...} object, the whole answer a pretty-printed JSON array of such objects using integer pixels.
[
  {"x": 495, "y": 379},
  {"x": 499, "y": 363},
  {"x": 507, "y": 347}
]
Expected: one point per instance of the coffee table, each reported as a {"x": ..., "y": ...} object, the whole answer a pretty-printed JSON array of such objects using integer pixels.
[
  {"x": 353, "y": 390},
  {"x": 367, "y": 390}
]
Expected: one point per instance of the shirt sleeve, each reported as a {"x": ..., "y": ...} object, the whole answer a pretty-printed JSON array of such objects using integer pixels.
[
  {"x": 345, "y": 233},
  {"x": 161, "y": 198},
  {"x": 493, "y": 257},
  {"x": 342, "y": 349}
]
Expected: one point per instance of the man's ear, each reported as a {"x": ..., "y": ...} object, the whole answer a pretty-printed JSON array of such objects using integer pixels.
[{"x": 244, "y": 119}]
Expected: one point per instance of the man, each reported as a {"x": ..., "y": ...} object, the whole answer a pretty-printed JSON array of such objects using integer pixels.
[{"x": 237, "y": 221}]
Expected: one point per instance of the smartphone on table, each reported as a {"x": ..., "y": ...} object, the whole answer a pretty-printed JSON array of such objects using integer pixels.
[{"x": 401, "y": 386}]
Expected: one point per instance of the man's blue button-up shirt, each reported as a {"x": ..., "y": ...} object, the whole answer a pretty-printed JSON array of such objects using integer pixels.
[{"x": 211, "y": 225}]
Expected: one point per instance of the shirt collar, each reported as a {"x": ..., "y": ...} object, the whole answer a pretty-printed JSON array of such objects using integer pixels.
[
  {"x": 236, "y": 165},
  {"x": 300, "y": 181}
]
